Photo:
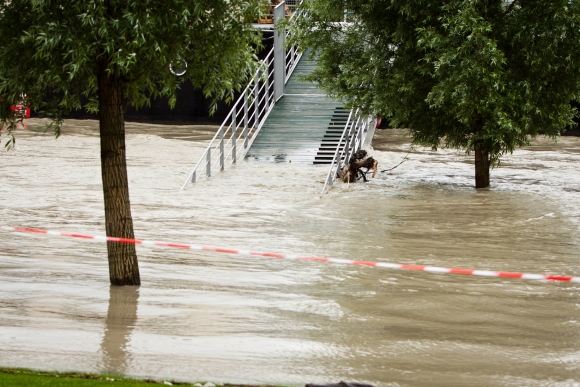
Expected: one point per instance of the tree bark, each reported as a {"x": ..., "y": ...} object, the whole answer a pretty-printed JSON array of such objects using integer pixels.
[
  {"x": 481, "y": 166},
  {"x": 123, "y": 265}
]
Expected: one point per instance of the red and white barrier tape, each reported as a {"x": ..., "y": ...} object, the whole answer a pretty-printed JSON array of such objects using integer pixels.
[{"x": 429, "y": 269}]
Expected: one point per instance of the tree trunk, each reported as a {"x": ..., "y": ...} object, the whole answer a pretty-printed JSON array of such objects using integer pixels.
[
  {"x": 481, "y": 166},
  {"x": 123, "y": 265}
]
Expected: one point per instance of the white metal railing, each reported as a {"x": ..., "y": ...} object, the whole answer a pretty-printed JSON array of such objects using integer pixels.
[
  {"x": 248, "y": 114},
  {"x": 357, "y": 133},
  {"x": 292, "y": 53},
  {"x": 235, "y": 134}
]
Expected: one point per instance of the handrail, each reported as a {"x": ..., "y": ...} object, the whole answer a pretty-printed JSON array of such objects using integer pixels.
[
  {"x": 252, "y": 104},
  {"x": 292, "y": 54},
  {"x": 357, "y": 131},
  {"x": 247, "y": 115}
]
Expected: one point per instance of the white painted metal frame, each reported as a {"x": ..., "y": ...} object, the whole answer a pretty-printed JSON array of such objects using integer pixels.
[
  {"x": 279, "y": 54},
  {"x": 292, "y": 54}
]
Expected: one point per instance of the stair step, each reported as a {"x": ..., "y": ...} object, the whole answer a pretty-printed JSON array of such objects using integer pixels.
[{"x": 304, "y": 126}]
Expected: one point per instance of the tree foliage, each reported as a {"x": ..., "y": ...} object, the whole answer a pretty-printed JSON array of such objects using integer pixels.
[
  {"x": 457, "y": 73},
  {"x": 52, "y": 50}
]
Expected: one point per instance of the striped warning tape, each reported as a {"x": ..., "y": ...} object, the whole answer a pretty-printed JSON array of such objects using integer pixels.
[{"x": 429, "y": 269}]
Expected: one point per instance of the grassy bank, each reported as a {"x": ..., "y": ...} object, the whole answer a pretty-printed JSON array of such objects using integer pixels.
[{"x": 20, "y": 377}]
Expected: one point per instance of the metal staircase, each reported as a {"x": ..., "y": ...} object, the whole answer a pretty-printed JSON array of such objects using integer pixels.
[
  {"x": 280, "y": 118},
  {"x": 331, "y": 139},
  {"x": 303, "y": 127}
]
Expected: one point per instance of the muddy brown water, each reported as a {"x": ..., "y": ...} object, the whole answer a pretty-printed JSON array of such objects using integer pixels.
[{"x": 227, "y": 318}]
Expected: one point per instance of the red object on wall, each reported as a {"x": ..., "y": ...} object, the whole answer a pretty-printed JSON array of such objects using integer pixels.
[{"x": 21, "y": 110}]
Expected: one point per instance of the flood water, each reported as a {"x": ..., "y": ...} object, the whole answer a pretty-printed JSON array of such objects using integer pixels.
[{"x": 202, "y": 316}]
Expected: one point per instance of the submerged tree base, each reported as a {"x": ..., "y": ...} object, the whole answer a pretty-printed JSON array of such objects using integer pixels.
[
  {"x": 353, "y": 172},
  {"x": 482, "y": 165}
]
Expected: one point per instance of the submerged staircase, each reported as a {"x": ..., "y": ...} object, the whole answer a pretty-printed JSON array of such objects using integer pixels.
[
  {"x": 305, "y": 126},
  {"x": 279, "y": 118}
]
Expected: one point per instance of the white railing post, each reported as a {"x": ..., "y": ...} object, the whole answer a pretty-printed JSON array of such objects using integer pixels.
[
  {"x": 208, "y": 164},
  {"x": 337, "y": 172},
  {"x": 279, "y": 53},
  {"x": 267, "y": 88},
  {"x": 222, "y": 164},
  {"x": 360, "y": 131},
  {"x": 350, "y": 140},
  {"x": 335, "y": 160},
  {"x": 257, "y": 100},
  {"x": 246, "y": 118},
  {"x": 234, "y": 128},
  {"x": 370, "y": 132}
]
